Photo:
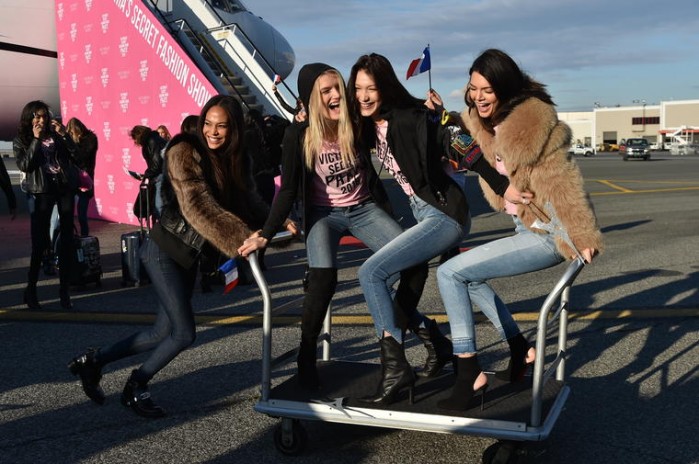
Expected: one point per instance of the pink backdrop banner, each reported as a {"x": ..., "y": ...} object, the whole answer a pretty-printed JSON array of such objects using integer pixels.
[{"x": 119, "y": 67}]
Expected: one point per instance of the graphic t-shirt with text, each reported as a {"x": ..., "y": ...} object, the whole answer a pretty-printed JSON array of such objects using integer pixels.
[
  {"x": 384, "y": 155},
  {"x": 336, "y": 184}
]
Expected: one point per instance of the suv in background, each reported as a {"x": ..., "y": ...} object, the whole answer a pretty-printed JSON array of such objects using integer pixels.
[
  {"x": 635, "y": 148},
  {"x": 580, "y": 149}
]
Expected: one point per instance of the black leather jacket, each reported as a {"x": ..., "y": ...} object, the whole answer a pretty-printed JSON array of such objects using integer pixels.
[
  {"x": 151, "y": 151},
  {"x": 415, "y": 142},
  {"x": 30, "y": 160}
]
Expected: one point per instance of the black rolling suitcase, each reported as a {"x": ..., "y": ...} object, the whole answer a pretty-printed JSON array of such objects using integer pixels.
[
  {"x": 86, "y": 265},
  {"x": 133, "y": 273}
]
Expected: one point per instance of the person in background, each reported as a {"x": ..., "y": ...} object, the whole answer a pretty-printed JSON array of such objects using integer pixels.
[
  {"x": 207, "y": 185},
  {"x": 512, "y": 118},
  {"x": 45, "y": 153},
  {"x": 86, "y": 156},
  {"x": 6, "y": 185},
  {"x": 163, "y": 132},
  {"x": 152, "y": 146},
  {"x": 407, "y": 140},
  {"x": 189, "y": 124},
  {"x": 341, "y": 194}
]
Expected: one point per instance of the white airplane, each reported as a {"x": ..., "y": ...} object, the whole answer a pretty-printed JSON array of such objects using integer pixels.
[{"x": 29, "y": 68}]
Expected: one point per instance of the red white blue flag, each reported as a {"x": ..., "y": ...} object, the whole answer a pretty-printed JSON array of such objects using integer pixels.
[
  {"x": 419, "y": 65},
  {"x": 230, "y": 274}
]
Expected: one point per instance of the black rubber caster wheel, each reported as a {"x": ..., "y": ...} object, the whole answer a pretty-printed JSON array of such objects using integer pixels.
[{"x": 290, "y": 437}]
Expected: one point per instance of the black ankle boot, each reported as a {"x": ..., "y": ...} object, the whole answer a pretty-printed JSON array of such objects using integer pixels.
[
  {"x": 306, "y": 362},
  {"x": 65, "y": 298},
  {"x": 30, "y": 299},
  {"x": 467, "y": 371},
  {"x": 90, "y": 372},
  {"x": 137, "y": 397},
  {"x": 517, "y": 365},
  {"x": 396, "y": 374},
  {"x": 439, "y": 349}
]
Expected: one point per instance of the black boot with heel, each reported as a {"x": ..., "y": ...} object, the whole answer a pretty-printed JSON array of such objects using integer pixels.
[
  {"x": 65, "y": 297},
  {"x": 439, "y": 349},
  {"x": 517, "y": 365},
  {"x": 467, "y": 371},
  {"x": 396, "y": 374},
  {"x": 30, "y": 298},
  {"x": 90, "y": 371},
  {"x": 320, "y": 286},
  {"x": 137, "y": 397}
]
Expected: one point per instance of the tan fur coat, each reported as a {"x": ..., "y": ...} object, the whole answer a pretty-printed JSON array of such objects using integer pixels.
[
  {"x": 533, "y": 145},
  {"x": 224, "y": 228}
]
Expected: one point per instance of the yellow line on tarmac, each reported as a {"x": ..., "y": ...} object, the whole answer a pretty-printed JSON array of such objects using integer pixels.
[
  {"x": 614, "y": 186},
  {"x": 626, "y": 191},
  {"x": 346, "y": 320}
]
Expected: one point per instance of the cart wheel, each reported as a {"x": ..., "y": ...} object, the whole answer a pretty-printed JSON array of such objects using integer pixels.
[
  {"x": 506, "y": 452},
  {"x": 290, "y": 437}
]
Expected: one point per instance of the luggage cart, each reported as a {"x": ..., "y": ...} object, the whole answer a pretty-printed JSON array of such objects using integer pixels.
[{"x": 514, "y": 413}]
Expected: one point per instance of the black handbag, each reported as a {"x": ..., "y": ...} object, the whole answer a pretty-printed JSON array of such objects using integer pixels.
[{"x": 177, "y": 238}]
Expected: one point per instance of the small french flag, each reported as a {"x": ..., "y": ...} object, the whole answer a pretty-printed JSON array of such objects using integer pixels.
[
  {"x": 277, "y": 79},
  {"x": 419, "y": 65},
  {"x": 230, "y": 274}
]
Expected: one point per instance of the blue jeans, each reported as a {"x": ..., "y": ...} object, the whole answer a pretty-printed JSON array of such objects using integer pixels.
[
  {"x": 462, "y": 282},
  {"x": 366, "y": 221},
  {"x": 434, "y": 233},
  {"x": 174, "y": 328}
]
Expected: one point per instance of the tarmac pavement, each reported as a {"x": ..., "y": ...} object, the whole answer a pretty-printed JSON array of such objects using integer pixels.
[{"x": 632, "y": 363}]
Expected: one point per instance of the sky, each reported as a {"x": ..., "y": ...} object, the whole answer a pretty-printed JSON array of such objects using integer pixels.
[{"x": 609, "y": 52}]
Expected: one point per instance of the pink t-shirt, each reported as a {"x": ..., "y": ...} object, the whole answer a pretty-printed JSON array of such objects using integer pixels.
[
  {"x": 510, "y": 208},
  {"x": 384, "y": 155},
  {"x": 334, "y": 183}
]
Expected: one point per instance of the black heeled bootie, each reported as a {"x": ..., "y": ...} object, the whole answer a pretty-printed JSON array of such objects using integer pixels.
[
  {"x": 65, "y": 298},
  {"x": 467, "y": 371},
  {"x": 439, "y": 348},
  {"x": 90, "y": 372},
  {"x": 137, "y": 397},
  {"x": 396, "y": 374},
  {"x": 30, "y": 299},
  {"x": 320, "y": 286},
  {"x": 517, "y": 365},
  {"x": 306, "y": 362}
]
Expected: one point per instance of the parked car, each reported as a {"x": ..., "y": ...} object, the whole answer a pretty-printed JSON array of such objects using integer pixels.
[
  {"x": 582, "y": 150},
  {"x": 635, "y": 148},
  {"x": 607, "y": 147}
]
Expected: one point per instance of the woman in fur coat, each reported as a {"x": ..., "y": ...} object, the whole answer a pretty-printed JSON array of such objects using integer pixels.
[
  {"x": 514, "y": 121},
  {"x": 208, "y": 184}
]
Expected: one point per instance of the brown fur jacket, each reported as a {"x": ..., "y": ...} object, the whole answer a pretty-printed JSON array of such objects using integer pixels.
[
  {"x": 533, "y": 145},
  {"x": 189, "y": 183}
]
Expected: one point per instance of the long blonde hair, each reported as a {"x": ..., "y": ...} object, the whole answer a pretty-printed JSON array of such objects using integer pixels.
[{"x": 321, "y": 129}]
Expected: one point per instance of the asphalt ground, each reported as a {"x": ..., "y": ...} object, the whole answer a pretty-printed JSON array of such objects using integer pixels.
[{"x": 632, "y": 364}]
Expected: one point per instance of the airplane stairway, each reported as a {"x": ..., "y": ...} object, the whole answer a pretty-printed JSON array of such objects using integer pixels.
[{"x": 223, "y": 52}]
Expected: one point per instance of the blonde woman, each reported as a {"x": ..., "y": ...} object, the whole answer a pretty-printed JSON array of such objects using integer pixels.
[{"x": 340, "y": 193}]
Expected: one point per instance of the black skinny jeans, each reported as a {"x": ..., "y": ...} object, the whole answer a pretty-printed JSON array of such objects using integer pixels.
[{"x": 40, "y": 224}]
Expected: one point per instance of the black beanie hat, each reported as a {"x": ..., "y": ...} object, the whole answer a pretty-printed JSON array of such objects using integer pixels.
[{"x": 307, "y": 77}]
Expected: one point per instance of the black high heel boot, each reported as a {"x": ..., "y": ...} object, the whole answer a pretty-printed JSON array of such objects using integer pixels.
[
  {"x": 467, "y": 371},
  {"x": 137, "y": 397},
  {"x": 30, "y": 299},
  {"x": 396, "y": 374},
  {"x": 320, "y": 286},
  {"x": 439, "y": 349},
  {"x": 65, "y": 298},
  {"x": 306, "y": 362},
  {"x": 90, "y": 372},
  {"x": 517, "y": 365}
]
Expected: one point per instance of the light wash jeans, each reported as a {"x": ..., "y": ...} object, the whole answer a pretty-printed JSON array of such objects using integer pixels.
[
  {"x": 366, "y": 221},
  {"x": 462, "y": 281},
  {"x": 434, "y": 233}
]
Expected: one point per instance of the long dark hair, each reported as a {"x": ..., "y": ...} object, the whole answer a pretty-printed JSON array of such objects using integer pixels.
[
  {"x": 230, "y": 158},
  {"x": 393, "y": 93},
  {"x": 511, "y": 85},
  {"x": 25, "y": 131}
]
